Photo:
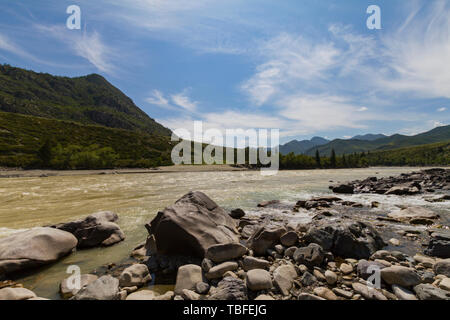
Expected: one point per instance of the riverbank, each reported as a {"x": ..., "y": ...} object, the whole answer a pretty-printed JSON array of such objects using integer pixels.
[{"x": 22, "y": 173}]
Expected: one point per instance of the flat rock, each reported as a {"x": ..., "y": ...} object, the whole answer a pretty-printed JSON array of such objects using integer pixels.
[
  {"x": 142, "y": 295},
  {"x": 410, "y": 213},
  {"x": 219, "y": 270},
  {"x": 430, "y": 292},
  {"x": 249, "y": 263},
  {"x": 325, "y": 293},
  {"x": 225, "y": 252},
  {"x": 367, "y": 292},
  {"x": 230, "y": 289}
]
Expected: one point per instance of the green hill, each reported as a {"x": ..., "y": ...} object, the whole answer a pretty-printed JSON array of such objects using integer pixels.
[
  {"x": 24, "y": 140},
  {"x": 89, "y": 100},
  {"x": 395, "y": 141}
]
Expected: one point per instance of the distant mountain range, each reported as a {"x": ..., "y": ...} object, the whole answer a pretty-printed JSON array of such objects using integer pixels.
[
  {"x": 299, "y": 147},
  {"x": 368, "y": 142}
]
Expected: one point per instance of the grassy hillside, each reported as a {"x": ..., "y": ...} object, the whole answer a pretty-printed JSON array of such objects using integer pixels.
[
  {"x": 86, "y": 100},
  {"x": 29, "y": 141},
  {"x": 396, "y": 141}
]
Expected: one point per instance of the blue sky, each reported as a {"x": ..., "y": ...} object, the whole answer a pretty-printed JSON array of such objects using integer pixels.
[{"x": 307, "y": 68}]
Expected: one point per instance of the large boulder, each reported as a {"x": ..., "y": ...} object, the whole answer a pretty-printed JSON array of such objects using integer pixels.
[
  {"x": 411, "y": 213},
  {"x": 192, "y": 225},
  {"x": 34, "y": 248},
  {"x": 16, "y": 294},
  {"x": 98, "y": 229},
  {"x": 430, "y": 292},
  {"x": 442, "y": 267},
  {"x": 104, "y": 288},
  {"x": 258, "y": 279},
  {"x": 265, "y": 238}
]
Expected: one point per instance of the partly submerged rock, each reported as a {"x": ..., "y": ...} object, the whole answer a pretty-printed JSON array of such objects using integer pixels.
[
  {"x": 34, "y": 248},
  {"x": 98, "y": 229}
]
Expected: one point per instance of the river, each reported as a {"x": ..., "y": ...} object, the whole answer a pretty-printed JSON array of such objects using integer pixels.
[{"x": 136, "y": 198}]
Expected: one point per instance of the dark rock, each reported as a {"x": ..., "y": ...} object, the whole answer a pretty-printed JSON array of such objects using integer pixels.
[
  {"x": 321, "y": 236},
  {"x": 308, "y": 279},
  {"x": 268, "y": 203},
  {"x": 224, "y": 252},
  {"x": 311, "y": 256},
  {"x": 439, "y": 245},
  {"x": 365, "y": 268},
  {"x": 98, "y": 229},
  {"x": 265, "y": 238},
  {"x": 202, "y": 287},
  {"x": 289, "y": 239},
  {"x": 442, "y": 267},
  {"x": 230, "y": 289},
  {"x": 192, "y": 225},
  {"x": 237, "y": 213},
  {"x": 343, "y": 188}
]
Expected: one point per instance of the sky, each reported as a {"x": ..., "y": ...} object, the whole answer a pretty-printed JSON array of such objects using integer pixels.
[{"x": 308, "y": 68}]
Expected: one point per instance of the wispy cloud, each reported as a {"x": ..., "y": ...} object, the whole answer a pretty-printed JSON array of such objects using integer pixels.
[
  {"x": 441, "y": 109},
  {"x": 178, "y": 101},
  {"x": 88, "y": 45},
  {"x": 182, "y": 100}
]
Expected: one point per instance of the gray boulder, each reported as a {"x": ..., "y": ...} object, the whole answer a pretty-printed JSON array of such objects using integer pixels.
[
  {"x": 439, "y": 245},
  {"x": 442, "y": 267},
  {"x": 283, "y": 277},
  {"x": 34, "y": 248},
  {"x": 104, "y": 288},
  {"x": 192, "y": 225},
  {"x": 66, "y": 288},
  {"x": 365, "y": 268},
  {"x": 265, "y": 238},
  {"x": 16, "y": 294},
  {"x": 410, "y": 213},
  {"x": 249, "y": 263},
  {"x": 98, "y": 229}
]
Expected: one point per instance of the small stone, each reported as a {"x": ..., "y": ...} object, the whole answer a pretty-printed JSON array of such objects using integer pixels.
[
  {"x": 308, "y": 296},
  {"x": 346, "y": 268},
  {"x": 142, "y": 295},
  {"x": 289, "y": 252},
  {"x": 368, "y": 293},
  {"x": 237, "y": 213},
  {"x": 308, "y": 279},
  {"x": 284, "y": 278},
  {"x": 319, "y": 275},
  {"x": 279, "y": 249},
  {"x": 343, "y": 293},
  {"x": 445, "y": 284},
  {"x": 16, "y": 294},
  {"x": 442, "y": 267},
  {"x": 325, "y": 293},
  {"x": 202, "y": 287},
  {"x": 258, "y": 279},
  {"x": 190, "y": 295},
  {"x": 250, "y": 263},
  {"x": 331, "y": 277},
  {"x": 264, "y": 297},
  {"x": 135, "y": 275},
  {"x": 207, "y": 264},
  {"x": 225, "y": 252},
  {"x": 394, "y": 242},
  {"x": 429, "y": 292}
]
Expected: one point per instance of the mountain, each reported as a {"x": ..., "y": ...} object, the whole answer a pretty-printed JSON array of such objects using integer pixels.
[
  {"x": 88, "y": 100},
  {"x": 74, "y": 123},
  {"x": 369, "y": 137},
  {"x": 439, "y": 134},
  {"x": 300, "y": 147}
]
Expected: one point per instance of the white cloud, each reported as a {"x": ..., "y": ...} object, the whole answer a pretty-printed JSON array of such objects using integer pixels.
[
  {"x": 362, "y": 109},
  {"x": 182, "y": 100},
  {"x": 417, "y": 55},
  {"x": 441, "y": 109},
  {"x": 287, "y": 59},
  {"x": 87, "y": 45},
  {"x": 157, "y": 98}
]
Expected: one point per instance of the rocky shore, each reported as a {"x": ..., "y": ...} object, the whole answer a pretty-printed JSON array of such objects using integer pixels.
[{"x": 345, "y": 250}]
